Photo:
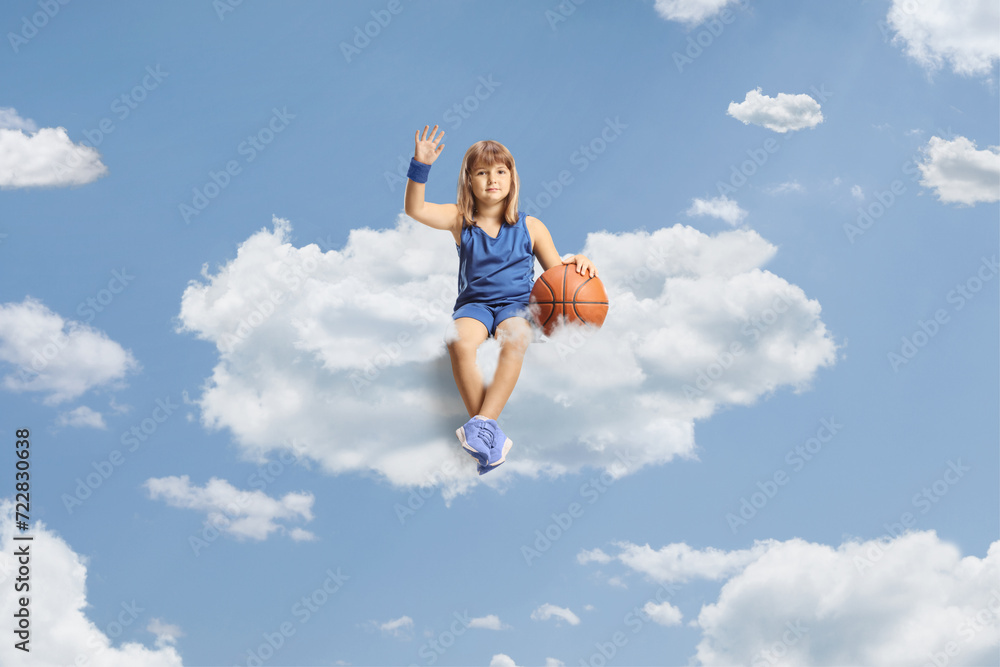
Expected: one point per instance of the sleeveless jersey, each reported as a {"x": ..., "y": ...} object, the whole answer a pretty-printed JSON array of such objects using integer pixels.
[{"x": 495, "y": 270}]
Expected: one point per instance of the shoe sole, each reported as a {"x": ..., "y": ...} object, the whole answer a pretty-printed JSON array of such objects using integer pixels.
[{"x": 466, "y": 446}]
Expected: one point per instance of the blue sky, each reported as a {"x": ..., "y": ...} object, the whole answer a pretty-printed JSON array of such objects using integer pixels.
[{"x": 202, "y": 236}]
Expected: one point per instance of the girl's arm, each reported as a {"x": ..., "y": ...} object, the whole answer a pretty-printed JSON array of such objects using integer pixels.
[
  {"x": 545, "y": 249},
  {"x": 438, "y": 216}
]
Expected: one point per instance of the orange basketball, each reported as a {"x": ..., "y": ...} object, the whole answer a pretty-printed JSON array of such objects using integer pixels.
[{"x": 561, "y": 292}]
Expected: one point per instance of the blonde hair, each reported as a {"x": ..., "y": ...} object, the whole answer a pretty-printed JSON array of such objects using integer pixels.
[{"x": 487, "y": 152}]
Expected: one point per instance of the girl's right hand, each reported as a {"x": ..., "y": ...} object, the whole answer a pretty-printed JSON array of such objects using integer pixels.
[{"x": 427, "y": 149}]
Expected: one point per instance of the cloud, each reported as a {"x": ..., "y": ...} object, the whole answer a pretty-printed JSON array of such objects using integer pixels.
[
  {"x": 242, "y": 514},
  {"x": 61, "y": 633},
  {"x": 678, "y": 562},
  {"x": 593, "y": 555},
  {"x": 166, "y": 634},
  {"x": 901, "y": 599},
  {"x": 490, "y": 622},
  {"x": 964, "y": 34},
  {"x": 61, "y": 358},
  {"x": 502, "y": 660},
  {"x": 691, "y": 12},
  {"x": 9, "y": 120},
  {"x": 343, "y": 353},
  {"x": 30, "y": 157},
  {"x": 547, "y": 611},
  {"x": 400, "y": 628},
  {"x": 960, "y": 174},
  {"x": 857, "y": 192},
  {"x": 80, "y": 417},
  {"x": 782, "y": 113},
  {"x": 665, "y": 613},
  {"x": 722, "y": 207},
  {"x": 787, "y": 186}
]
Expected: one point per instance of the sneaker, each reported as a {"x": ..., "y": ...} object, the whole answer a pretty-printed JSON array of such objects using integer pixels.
[
  {"x": 499, "y": 445},
  {"x": 470, "y": 435}
]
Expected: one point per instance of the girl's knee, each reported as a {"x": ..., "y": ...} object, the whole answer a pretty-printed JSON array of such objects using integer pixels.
[
  {"x": 514, "y": 334},
  {"x": 464, "y": 339}
]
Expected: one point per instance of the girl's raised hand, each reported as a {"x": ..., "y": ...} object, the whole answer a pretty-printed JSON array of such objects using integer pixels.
[{"x": 427, "y": 149}]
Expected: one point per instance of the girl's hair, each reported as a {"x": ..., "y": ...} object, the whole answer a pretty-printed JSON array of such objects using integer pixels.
[{"x": 486, "y": 152}]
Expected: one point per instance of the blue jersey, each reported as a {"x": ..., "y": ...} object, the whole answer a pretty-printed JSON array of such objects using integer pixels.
[{"x": 495, "y": 270}]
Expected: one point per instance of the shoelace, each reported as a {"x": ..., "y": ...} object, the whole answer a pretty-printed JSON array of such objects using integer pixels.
[{"x": 486, "y": 434}]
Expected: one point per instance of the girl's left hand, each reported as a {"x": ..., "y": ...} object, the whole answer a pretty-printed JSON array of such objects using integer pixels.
[{"x": 583, "y": 265}]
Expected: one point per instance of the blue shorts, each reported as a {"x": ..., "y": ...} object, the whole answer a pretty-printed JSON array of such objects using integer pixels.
[{"x": 492, "y": 314}]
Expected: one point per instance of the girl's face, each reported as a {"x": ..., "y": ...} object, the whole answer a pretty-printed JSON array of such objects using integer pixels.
[{"x": 490, "y": 184}]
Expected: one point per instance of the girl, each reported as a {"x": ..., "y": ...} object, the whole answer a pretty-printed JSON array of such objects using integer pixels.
[{"x": 495, "y": 244}]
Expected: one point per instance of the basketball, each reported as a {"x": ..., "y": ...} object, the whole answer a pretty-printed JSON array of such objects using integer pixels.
[{"x": 561, "y": 292}]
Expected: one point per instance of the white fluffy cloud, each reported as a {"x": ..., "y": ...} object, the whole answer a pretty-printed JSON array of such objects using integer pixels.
[
  {"x": 61, "y": 633},
  {"x": 60, "y": 358},
  {"x": 962, "y": 33},
  {"x": 722, "y": 207},
  {"x": 959, "y": 173},
  {"x": 691, "y": 12},
  {"x": 664, "y": 613},
  {"x": 547, "y": 611},
  {"x": 30, "y": 157},
  {"x": 242, "y": 514},
  {"x": 489, "y": 622},
  {"x": 343, "y": 353},
  {"x": 899, "y": 600},
  {"x": 80, "y": 417},
  {"x": 782, "y": 113}
]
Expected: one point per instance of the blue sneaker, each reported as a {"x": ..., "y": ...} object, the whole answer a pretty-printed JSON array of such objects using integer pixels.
[
  {"x": 470, "y": 435},
  {"x": 499, "y": 445}
]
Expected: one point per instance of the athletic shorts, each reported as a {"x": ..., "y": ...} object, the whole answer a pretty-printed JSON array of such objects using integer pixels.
[{"x": 492, "y": 314}]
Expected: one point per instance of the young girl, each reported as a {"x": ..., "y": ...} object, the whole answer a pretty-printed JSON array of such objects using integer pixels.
[{"x": 495, "y": 244}]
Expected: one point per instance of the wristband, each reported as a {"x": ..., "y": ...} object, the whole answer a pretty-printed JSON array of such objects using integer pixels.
[{"x": 418, "y": 171}]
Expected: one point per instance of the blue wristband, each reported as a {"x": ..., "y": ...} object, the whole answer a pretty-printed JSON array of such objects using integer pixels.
[{"x": 418, "y": 171}]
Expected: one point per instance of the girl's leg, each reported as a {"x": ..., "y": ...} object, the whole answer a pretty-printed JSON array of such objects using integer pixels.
[
  {"x": 514, "y": 335},
  {"x": 470, "y": 333}
]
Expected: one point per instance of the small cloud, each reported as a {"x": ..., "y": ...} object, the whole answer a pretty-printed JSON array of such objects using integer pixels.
[
  {"x": 592, "y": 556},
  {"x": 547, "y": 611},
  {"x": 783, "y": 113},
  {"x": 166, "y": 634},
  {"x": 400, "y": 628},
  {"x": 690, "y": 12},
  {"x": 783, "y": 188},
  {"x": 60, "y": 358},
  {"x": 241, "y": 514},
  {"x": 959, "y": 173},
  {"x": 46, "y": 157},
  {"x": 665, "y": 614},
  {"x": 722, "y": 207},
  {"x": 81, "y": 417},
  {"x": 491, "y": 622},
  {"x": 857, "y": 193},
  {"x": 552, "y": 662},
  {"x": 502, "y": 660}
]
